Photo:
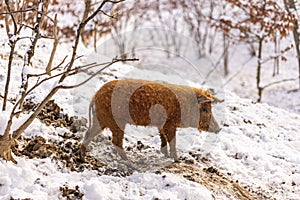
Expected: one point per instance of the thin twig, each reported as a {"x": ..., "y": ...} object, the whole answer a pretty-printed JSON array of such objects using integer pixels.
[
  {"x": 79, "y": 31},
  {"x": 11, "y": 15},
  {"x": 55, "y": 43},
  {"x": 79, "y": 69},
  {"x": 108, "y": 15},
  {"x": 96, "y": 73},
  {"x": 281, "y": 81},
  {"x": 45, "y": 73},
  {"x": 215, "y": 65},
  {"x": 17, "y": 133},
  {"x": 18, "y": 11}
]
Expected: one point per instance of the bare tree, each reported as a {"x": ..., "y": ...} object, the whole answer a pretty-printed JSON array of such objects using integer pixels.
[
  {"x": 30, "y": 52},
  {"x": 126, "y": 17},
  {"x": 276, "y": 53},
  {"x": 8, "y": 139},
  {"x": 13, "y": 39},
  {"x": 226, "y": 54},
  {"x": 197, "y": 15},
  {"x": 257, "y": 22},
  {"x": 170, "y": 17},
  {"x": 290, "y": 6}
]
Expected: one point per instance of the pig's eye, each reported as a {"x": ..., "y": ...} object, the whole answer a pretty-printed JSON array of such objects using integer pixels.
[{"x": 204, "y": 110}]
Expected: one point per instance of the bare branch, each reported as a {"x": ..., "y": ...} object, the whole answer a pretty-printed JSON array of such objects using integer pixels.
[
  {"x": 12, "y": 44},
  {"x": 79, "y": 31},
  {"x": 11, "y": 15},
  {"x": 17, "y": 133},
  {"x": 108, "y": 15},
  {"x": 281, "y": 81},
  {"x": 55, "y": 43},
  {"x": 18, "y": 11},
  {"x": 26, "y": 26},
  {"x": 96, "y": 73},
  {"x": 45, "y": 73},
  {"x": 85, "y": 15},
  {"x": 77, "y": 70},
  {"x": 99, "y": 9}
]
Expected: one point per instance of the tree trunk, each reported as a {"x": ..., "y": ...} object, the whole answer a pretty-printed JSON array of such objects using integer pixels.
[
  {"x": 276, "y": 53},
  {"x": 12, "y": 49},
  {"x": 258, "y": 71},
  {"x": 87, "y": 8},
  {"x": 55, "y": 43},
  {"x": 291, "y": 8},
  {"x": 12, "y": 44},
  {"x": 225, "y": 58},
  {"x": 6, "y": 146}
]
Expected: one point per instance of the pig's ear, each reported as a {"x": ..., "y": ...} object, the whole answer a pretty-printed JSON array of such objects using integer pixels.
[
  {"x": 216, "y": 100},
  {"x": 204, "y": 99},
  {"x": 211, "y": 99}
]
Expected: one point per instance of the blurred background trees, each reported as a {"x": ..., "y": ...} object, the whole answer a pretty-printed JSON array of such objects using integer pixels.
[{"x": 217, "y": 28}]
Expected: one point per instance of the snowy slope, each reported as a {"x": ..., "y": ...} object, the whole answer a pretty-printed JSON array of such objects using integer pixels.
[
  {"x": 40, "y": 179},
  {"x": 258, "y": 146}
]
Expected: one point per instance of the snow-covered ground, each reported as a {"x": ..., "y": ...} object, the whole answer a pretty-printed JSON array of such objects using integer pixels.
[
  {"x": 40, "y": 179},
  {"x": 257, "y": 150}
]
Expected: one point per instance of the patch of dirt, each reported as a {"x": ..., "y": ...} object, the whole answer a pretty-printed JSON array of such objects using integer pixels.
[
  {"x": 71, "y": 193},
  {"x": 66, "y": 151},
  {"x": 215, "y": 181},
  {"x": 67, "y": 148},
  {"x": 53, "y": 115}
]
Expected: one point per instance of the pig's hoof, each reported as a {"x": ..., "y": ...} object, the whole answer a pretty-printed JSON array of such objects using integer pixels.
[
  {"x": 82, "y": 153},
  {"x": 164, "y": 150},
  {"x": 121, "y": 153}
]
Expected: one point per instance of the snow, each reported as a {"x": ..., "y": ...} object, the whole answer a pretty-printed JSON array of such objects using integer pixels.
[
  {"x": 31, "y": 178},
  {"x": 145, "y": 185},
  {"x": 261, "y": 144}
]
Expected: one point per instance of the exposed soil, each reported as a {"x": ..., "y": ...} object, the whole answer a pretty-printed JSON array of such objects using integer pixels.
[
  {"x": 216, "y": 181},
  {"x": 53, "y": 115},
  {"x": 71, "y": 193},
  {"x": 66, "y": 151}
]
